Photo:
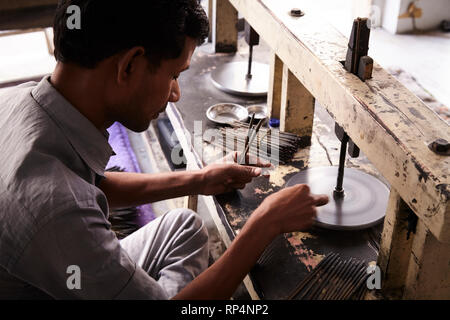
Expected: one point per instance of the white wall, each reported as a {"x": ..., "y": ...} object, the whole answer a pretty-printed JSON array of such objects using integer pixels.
[{"x": 433, "y": 12}]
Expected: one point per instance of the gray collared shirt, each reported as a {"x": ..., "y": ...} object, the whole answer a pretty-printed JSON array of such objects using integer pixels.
[{"x": 53, "y": 216}]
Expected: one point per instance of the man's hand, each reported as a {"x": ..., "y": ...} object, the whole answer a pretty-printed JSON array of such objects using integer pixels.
[
  {"x": 234, "y": 157},
  {"x": 288, "y": 210},
  {"x": 291, "y": 209},
  {"x": 221, "y": 178},
  {"x": 226, "y": 175}
]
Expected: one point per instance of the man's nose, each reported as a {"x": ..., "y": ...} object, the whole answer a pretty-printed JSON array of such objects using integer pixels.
[{"x": 175, "y": 92}]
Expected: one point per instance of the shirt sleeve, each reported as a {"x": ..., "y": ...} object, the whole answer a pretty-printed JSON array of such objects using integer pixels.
[{"x": 81, "y": 243}]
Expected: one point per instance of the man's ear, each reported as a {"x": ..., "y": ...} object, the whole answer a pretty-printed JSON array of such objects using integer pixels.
[{"x": 128, "y": 63}]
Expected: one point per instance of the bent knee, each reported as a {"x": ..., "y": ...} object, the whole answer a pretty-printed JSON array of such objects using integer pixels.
[{"x": 189, "y": 219}]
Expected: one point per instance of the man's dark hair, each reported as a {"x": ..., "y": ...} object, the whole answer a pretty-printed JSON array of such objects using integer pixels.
[{"x": 111, "y": 26}]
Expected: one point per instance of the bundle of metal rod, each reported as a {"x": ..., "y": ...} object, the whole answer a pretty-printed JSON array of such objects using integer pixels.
[
  {"x": 253, "y": 152},
  {"x": 334, "y": 279},
  {"x": 284, "y": 135},
  {"x": 267, "y": 145}
]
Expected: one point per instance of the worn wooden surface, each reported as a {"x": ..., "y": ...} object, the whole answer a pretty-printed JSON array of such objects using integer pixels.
[
  {"x": 275, "y": 82},
  {"x": 297, "y": 106},
  {"x": 395, "y": 247},
  {"x": 292, "y": 256},
  {"x": 391, "y": 125},
  {"x": 414, "y": 266},
  {"x": 210, "y": 16},
  {"x": 225, "y": 18},
  {"x": 297, "y": 253},
  {"x": 28, "y": 16},
  {"x": 275, "y": 276},
  {"x": 191, "y": 201},
  {"x": 428, "y": 273}
]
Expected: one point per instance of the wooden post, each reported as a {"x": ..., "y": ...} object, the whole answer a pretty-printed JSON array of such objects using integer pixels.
[
  {"x": 395, "y": 249},
  {"x": 225, "y": 18},
  {"x": 274, "y": 92},
  {"x": 417, "y": 268},
  {"x": 49, "y": 40},
  {"x": 191, "y": 202},
  {"x": 297, "y": 106},
  {"x": 210, "y": 18},
  {"x": 429, "y": 267}
]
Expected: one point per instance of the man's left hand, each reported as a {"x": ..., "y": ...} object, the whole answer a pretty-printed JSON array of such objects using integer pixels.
[{"x": 226, "y": 175}]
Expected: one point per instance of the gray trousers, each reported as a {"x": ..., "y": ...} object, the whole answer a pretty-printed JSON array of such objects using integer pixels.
[{"x": 172, "y": 249}]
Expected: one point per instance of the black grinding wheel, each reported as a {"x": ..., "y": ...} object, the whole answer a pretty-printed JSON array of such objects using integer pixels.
[{"x": 363, "y": 205}]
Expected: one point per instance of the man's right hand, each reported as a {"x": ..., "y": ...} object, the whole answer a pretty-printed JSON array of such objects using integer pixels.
[{"x": 289, "y": 210}]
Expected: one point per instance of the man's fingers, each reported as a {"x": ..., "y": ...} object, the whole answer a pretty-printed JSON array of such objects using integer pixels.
[
  {"x": 320, "y": 199},
  {"x": 231, "y": 157},
  {"x": 252, "y": 160},
  {"x": 302, "y": 188},
  {"x": 250, "y": 171}
]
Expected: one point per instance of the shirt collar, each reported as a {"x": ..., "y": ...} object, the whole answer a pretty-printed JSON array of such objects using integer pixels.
[{"x": 88, "y": 141}]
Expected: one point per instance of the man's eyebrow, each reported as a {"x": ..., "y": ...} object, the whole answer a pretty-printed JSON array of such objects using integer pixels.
[{"x": 185, "y": 68}]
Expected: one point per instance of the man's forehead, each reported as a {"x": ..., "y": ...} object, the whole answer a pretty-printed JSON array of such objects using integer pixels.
[{"x": 182, "y": 63}]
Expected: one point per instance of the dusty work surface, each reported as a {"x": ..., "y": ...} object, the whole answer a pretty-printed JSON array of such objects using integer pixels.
[{"x": 291, "y": 256}]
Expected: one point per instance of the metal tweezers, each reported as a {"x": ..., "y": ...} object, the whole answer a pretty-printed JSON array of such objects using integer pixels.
[{"x": 248, "y": 139}]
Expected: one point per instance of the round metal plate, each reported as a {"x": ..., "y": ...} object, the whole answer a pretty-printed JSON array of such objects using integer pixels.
[
  {"x": 224, "y": 113},
  {"x": 259, "y": 111},
  {"x": 232, "y": 78},
  {"x": 363, "y": 206}
]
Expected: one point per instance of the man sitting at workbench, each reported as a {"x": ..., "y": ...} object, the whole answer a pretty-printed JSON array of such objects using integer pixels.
[{"x": 122, "y": 64}]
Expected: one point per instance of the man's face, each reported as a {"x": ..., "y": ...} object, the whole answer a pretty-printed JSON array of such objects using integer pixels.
[{"x": 151, "y": 90}]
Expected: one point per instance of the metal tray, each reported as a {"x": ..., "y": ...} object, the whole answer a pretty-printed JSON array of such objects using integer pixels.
[
  {"x": 259, "y": 111},
  {"x": 226, "y": 113}
]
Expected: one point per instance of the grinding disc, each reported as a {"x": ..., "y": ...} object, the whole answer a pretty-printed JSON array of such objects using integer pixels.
[
  {"x": 364, "y": 202},
  {"x": 232, "y": 78}
]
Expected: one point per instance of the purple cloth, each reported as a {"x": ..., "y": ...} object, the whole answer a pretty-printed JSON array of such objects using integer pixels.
[{"x": 126, "y": 160}]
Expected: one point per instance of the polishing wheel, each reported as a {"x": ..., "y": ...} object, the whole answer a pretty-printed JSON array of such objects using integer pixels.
[
  {"x": 232, "y": 78},
  {"x": 362, "y": 206}
]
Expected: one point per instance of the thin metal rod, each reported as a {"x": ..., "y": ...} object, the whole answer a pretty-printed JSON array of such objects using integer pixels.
[
  {"x": 325, "y": 281},
  {"x": 251, "y": 140},
  {"x": 248, "y": 136},
  {"x": 339, "y": 191},
  {"x": 259, "y": 140},
  {"x": 244, "y": 125},
  {"x": 250, "y": 58},
  {"x": 354, "y": 279},
  {"x": 336, "y": 282},
  {"x": 281, "y": 140},
  {"x": 300, "y": 292},
  {"x": 356, "y": 284},
  {"x": 351, "y": 264},
  {"x": 284, "y": 158}
]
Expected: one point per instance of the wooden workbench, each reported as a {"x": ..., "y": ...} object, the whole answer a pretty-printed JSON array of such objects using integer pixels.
[{"x": 391, "y": 126}]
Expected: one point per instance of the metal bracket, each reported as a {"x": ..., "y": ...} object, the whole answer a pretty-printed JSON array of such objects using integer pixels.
[
  {"x": 250, "y": 35},
  {"x": 252, "y": 38},
  {"x": 353, "y": 149},
  {"x": 357, "y": 61}
]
